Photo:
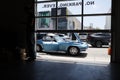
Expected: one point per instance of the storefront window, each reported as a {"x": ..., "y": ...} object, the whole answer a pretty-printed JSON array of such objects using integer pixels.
[
  {"x": 45, "y": 9},
  {"x": 45, "y": 23},
  {"x": 69, "y": 7},
  {"x": 97, "y": 6},
  {"x": 97, "y": 23},
  {"x": 73, "y": 15},
  {"x": 69, "y": 23}
]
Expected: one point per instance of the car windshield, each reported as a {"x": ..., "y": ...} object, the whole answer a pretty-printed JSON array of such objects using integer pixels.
[{"x": 59, "y": 39}]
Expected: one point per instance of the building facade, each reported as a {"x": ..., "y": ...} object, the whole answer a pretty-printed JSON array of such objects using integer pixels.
[{"x": 63, "y": 23}]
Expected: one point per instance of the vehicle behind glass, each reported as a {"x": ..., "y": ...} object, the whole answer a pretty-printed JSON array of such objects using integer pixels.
[
  {"x": 99, "y": 39},
  {"x": 54, "y": 43}
]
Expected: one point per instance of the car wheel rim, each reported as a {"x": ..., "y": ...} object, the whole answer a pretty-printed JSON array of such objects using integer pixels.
[
  {"x": 73, "y": 50},
  {"x": 37, "y": 48}
]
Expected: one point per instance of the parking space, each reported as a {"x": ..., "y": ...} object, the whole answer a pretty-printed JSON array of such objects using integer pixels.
[{"x": 92, "y": 55}]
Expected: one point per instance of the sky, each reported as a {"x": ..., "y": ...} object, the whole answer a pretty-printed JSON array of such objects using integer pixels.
[{"x": 97, "y": 6}]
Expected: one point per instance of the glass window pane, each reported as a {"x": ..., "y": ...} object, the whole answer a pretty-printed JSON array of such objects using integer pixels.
[
  {"x": 97, "y": 6},
  {"x": 69, "y": 7},
  {"x": 97, "y": 23},
  {"x": 69, "y": 23},
  {"x": 45, "y": 23},
  {"x": 44, "y": 9}
]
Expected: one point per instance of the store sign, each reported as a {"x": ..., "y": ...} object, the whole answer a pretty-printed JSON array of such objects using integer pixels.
[{"x": 67, "y": 4}]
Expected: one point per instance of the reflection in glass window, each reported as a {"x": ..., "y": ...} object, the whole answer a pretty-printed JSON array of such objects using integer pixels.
[
  {"x": 45, "y": 23},
  {"x": 69, "y": 7},
  {"x": 97, "y": 23},
  {"x": 69, "y": 23},
  {"x": 97, "y": 6}
]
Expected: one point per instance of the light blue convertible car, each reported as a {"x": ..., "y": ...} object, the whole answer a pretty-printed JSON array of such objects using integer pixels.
[{"x": 54, "y": 43}]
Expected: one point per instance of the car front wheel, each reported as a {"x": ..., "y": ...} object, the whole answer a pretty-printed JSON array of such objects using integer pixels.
[
  {"x": 99, "y": 44},
  {"x": 73, "y": 51},
  {"x": 38, "y": 48}
]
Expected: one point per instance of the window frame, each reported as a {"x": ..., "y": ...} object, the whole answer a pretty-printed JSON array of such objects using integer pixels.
[{"x": 82, "y": 15}]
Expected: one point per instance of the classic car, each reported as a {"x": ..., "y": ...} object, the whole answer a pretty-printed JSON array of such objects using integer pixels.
[{"x": 54, "y": 43}]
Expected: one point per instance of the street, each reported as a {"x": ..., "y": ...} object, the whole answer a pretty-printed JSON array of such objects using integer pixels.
[{"x": 92, "y": 55}]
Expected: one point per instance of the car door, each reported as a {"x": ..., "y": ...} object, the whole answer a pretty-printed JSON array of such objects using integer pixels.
[
  {"x": 49, "y": 44},
  {"x": 63, "y": 46}
]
